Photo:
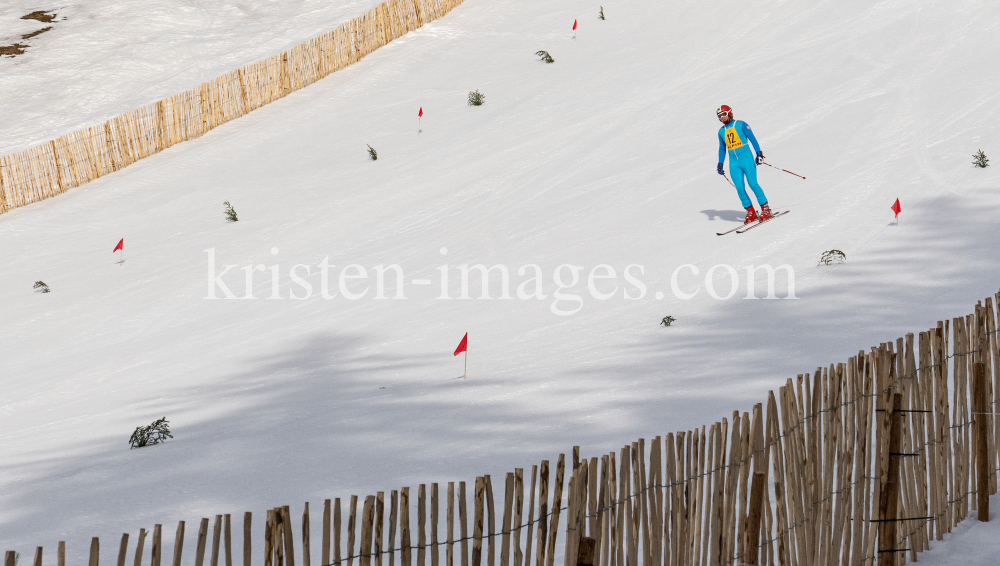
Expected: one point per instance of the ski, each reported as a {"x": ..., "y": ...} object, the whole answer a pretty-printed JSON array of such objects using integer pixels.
[
  {"x": 752, "y": 226},
  {"x": 743, "y": 227},
  {"x": 730, "y": 231}
]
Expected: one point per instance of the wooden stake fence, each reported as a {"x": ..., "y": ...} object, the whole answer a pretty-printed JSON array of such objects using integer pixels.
[
  {"x": 855, "y": 463},
  {"x": 53, "y": 167}
]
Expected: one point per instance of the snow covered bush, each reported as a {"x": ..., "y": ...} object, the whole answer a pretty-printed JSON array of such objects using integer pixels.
[
  {"x": 372, "y": 153},
  {"x": 230, "y": 213},
  {"x": 476, "y": 98},
  {"x": 545, "y": 56},
  {"x": 667, "y": 320},
  {"x": 832, "y": 256},
  {"x": 158, "y": 431},
  {"x": 980, "y": 160},
  {"x": 42, "y": 286}
]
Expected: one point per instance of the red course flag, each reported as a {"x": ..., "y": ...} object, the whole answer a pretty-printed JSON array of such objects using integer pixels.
[
  {"x": 463, "y": 345},
  {"x": 896, "y": 208},
  {"x": 421, "y": 113},
  {"x": 574, "y": 25},
  {"x": 120, "y": 246}
]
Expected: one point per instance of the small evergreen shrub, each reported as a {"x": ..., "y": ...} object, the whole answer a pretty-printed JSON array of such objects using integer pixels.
[
  {"x": 41, "y": 286},
  {"x": 476, "y": 98},
  {"x": 667, "y": 320},
  {"x": 601, "y": 15},
  {"x": 372, "y": 153},
  {"x": 832, "y": 256},
  {"x": 155, "y": 433},
  {"x": 545, "y": 56},
  {"x": 230, "y": 213},
  {"x": 980, "y": 160}
]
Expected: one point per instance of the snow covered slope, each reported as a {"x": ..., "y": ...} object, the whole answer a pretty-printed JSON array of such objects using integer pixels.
[
  {"x": 606, "y": 156},
  {"x": 104, "y": 57}
]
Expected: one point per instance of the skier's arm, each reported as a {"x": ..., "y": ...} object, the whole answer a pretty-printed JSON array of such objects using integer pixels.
[
  {"x": 749, "y": 135},
  {"x": 722, "y": 148}
]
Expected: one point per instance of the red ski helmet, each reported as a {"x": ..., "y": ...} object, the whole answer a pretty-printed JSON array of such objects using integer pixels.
[{"x": 724, "y": 111}]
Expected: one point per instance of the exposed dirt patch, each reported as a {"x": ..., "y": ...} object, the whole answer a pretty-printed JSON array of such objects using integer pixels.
[
  {"x": 44, "y": 16},
  {"x": 36, "y": 33},
  {"x": 16, "y": 49},
  {"x": 40, "y": 15}
]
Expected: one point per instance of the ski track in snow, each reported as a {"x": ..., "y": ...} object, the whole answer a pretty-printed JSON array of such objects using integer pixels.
[{"x": 606, "y": 156}]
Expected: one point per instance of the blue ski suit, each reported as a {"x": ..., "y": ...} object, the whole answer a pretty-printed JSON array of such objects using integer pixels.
[{"x": 733, "y": 137}]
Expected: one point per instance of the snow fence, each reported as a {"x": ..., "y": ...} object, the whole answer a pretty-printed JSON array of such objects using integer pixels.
[
  {"x": 866, "y": 460},
  {"x": 79, "y": 157}
]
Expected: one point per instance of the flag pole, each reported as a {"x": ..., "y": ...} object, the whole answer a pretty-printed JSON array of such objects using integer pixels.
[{"x": 465, "y": 374}]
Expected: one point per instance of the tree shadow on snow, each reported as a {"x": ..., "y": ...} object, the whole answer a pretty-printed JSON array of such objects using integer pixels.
[
  {"x": 897, "y": 287},
  {"x": 317, "y": 421}
]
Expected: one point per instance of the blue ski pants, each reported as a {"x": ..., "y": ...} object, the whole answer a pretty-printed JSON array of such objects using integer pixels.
[{"x": 740, "y": 168}]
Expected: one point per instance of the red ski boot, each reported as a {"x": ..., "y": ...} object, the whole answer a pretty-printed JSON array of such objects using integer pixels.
[
  {"x": 765, "y": 212},
  {"x": 751, "y": 215}
]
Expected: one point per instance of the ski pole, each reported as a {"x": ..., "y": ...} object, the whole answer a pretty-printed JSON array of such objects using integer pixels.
[
  {"x": 785, "y": 170},
  {"x": 727, "y": 178}
]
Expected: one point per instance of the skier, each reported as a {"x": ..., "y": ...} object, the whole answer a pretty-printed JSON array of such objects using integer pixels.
[{"x": 733, "y": 136}]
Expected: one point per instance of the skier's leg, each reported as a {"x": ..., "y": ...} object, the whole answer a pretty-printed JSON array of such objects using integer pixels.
[
  {"x": 737, "y": 173},
  {"x": 751, "y": 173}
]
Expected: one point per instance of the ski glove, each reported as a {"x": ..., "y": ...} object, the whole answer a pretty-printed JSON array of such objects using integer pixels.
[
  {"x": 760, "y": 157},
  {"x": 719, "y": 169}
]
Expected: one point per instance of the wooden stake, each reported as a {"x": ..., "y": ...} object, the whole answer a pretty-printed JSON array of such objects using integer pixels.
[
  {"x": 199, "y": 553},
  {"x": 518, "y": 504},
  {"x": 531, "y": 517},
  {"x": 888, "y": 502},
  {"x": 543, "y": 511},
  {"x": 336, "y": 533},
  {"x": 367, "y": 521},
  {"x": 556, "y": 505},
  {"x": 463, "y": 519},
  {"x": 178, "y": 544},
  {"x": 289, "y": 541},
  {"x": 404, "y": 527},
  {"x": 95, "y": 552},
  {"x": 393, "y": 518},
  {"x": 982, "y": 423},
  {"x": 379, "y": 514},
  {"x": 508, "y": 503},
  {"x": 490, "y": 522},
  {"x": 216, "y": 540},
  {"x": 139, "y": 547},
  {"x": 227, "y": 539},
  {"x": 123, "y": 549},
  {"x": 306, "y": 551},
  {"x": 450, "y": 528},
  {"x": 247, "y": 531},
  {"x": 434, "y": 525},
  {"x": 477, "y": 522},
  {"x": 352, "y": 526},
  {"x": 325, "y": 552},
  {"x": 587, "y": 553},
  {"x": 422, "y": 525}
]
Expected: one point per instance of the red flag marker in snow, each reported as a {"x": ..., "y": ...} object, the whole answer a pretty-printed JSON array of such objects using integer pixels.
[
  {"x": 463, "y": 346},
  {"x": 574, "y": 29},
  {"x": 419, "y": 116},
  {"x": 897, "y": 210},
  {"x": 120, "y": 248}
]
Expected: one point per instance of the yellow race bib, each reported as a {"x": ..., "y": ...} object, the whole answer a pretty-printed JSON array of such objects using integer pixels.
[{"x": 733, "y": 140}]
